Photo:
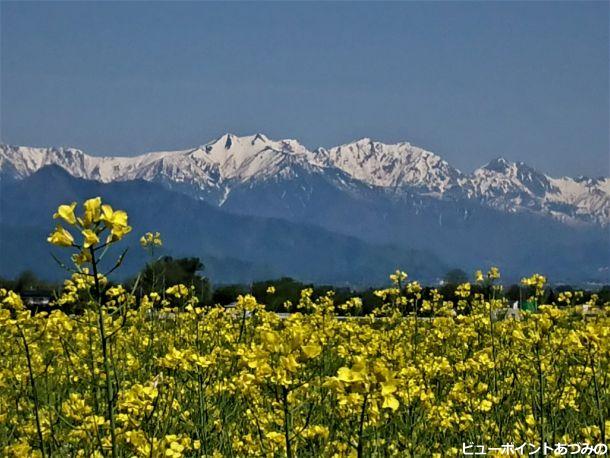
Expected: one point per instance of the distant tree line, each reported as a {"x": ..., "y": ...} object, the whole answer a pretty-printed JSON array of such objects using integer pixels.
[{"x": 278, "y": 295}]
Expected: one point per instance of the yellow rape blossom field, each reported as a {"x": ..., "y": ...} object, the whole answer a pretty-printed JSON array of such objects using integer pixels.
[{"x": 162, "y": 376}]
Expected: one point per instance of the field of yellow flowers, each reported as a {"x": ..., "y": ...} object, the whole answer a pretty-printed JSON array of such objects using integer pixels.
[{"x": 162, "y": 376}]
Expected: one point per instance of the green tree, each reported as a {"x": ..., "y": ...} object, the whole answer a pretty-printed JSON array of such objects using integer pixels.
[
  {"x": 227, "y": 294},
  {"x": 455, "y": 277},
  {"x": 167, "y": 271}
]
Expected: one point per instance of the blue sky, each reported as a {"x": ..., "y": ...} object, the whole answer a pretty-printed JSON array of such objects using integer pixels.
[{"x": 470, "y": 81}]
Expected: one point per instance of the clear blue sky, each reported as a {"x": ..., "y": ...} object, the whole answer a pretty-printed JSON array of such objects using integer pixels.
[{"x": 470, "y": 81}]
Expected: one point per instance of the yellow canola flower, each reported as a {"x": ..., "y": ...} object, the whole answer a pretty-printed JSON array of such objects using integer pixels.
[
  {"x": 178, "y": 291},
  {"x": 81, "y": 258},
  {"x": 66, "y": 212},
  {"x": 312, "y": 350},
  {"x": 463, "y": 290},
  {"x": 118, "y": 232},
  {"x": 116, "y": 221},
  {"x": 175, "y": 450},
  {"x": 271, "y": 290},
  {"x": 390, "y": 402},
  {"x": 494, "y": 273},
  {"x": 94, "y": 213},
  {"x": 150, "y": 239},
  {"x": 11, "y": 299},
  {"x": 398, "y": 276},
  {"x": 345, "y": 374},
  {"x": 478, "y": 276},
  {"x": 61, "y": 237},
  {"x": 289, "y": 363},
  {"x": 414, "y": 288},
  {"x": 536, "y": 280},
  {"x": 90, "y": 238},
  {"x": 388, "y": 387},
  {"x": 485, "y": 405},
  {"x": 93, "y": 210}
]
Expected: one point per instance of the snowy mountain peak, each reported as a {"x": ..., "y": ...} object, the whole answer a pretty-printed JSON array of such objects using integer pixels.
[
  {"x": 362, "y": 141},
  {"x": 510, "y": 185},
  {"x": 394, "y": 165},
  {"x": 260, "y": 138},
  {"x": 230, "y": 140},
  {"x": 514, "y": 186},
  {"x": 503, "y": 165},
  {"x": 498, "y": 164}
]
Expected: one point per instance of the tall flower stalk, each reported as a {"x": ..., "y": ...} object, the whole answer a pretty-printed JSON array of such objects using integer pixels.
[{"x": 96, "y": 222}]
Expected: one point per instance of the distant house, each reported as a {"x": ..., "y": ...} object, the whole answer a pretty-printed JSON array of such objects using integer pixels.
[{"x": 37, "y": 299}]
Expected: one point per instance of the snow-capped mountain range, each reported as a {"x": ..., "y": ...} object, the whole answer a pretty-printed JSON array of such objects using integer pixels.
[{"x": 217, "y": 169}]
